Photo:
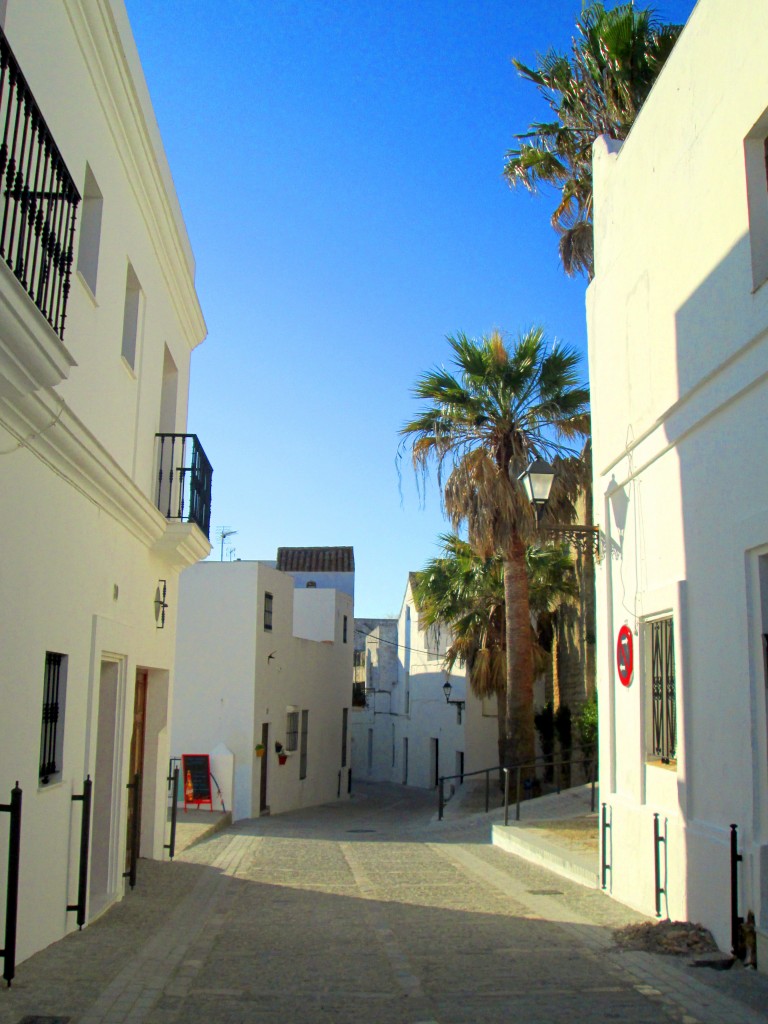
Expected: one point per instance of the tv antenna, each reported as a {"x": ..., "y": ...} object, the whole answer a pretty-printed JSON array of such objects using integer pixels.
[{"x": 225, "y": 532}]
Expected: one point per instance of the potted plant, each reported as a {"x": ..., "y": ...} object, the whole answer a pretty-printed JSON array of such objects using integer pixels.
[
  {"x": 260, "y": 750},
  {"x": 282, "y": 756}
]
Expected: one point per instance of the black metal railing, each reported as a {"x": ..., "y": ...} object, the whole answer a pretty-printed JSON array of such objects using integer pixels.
[
  {"x": 736, "y": 920},
  {"x": 659, "y": 840},
  {"x": 173, "y": 788},
  {"x": 85, "y": 836},
  {"x": 523, "y": 786},
  {"x": 39, "y": 200},
  {"x": 8, "y": 952},
  {"x": 134, "y": 833},
  {"x": 184, "y": 478}
]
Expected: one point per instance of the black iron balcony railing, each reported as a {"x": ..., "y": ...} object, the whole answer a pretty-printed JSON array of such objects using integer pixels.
[
  {"x": 184, "y": 480},
  {"x": 38, "y": 201}
]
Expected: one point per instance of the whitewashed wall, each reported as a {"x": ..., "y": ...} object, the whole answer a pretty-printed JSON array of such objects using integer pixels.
[
  {"x": 233, "y": 676},
  {"x": 85, "y": 545},
  {"x": 678, "y": 322}
]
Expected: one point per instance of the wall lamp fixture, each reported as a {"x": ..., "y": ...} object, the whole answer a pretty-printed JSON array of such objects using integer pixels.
[{"x": 459, "y": 704}]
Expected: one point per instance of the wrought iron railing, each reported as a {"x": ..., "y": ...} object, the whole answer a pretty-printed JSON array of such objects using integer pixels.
[
  {"x": 39, "y": 200},
  {"x": 184, "y": 477}
]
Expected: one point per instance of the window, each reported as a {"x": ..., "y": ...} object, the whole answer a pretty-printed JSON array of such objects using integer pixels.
[
  {"x": 344, "y": 731},
  {"x": 268, "y": 611},
  {"x": 131, "y": 313},
  {"x": 358, "y": 695},
  {"x": 344, "y": 630},
  {"x": 303, "y": 749},
  {"x": 90, "y": 230},
  {"x": 661, "y": 638},
  {"x": 52, "y": 732},
  {"x": 292, "y": 731}
]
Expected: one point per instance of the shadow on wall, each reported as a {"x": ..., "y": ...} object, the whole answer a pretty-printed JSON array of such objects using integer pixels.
[{"x": 718, "y": 427}]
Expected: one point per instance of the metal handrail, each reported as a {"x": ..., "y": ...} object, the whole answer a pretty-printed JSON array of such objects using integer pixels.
[
  {"x": 539, "y": 762},
  {"x": 85, "y": 835},
  {"x": 8, "y": 952}
]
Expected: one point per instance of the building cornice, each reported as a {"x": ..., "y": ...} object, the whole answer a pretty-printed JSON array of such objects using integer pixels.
[
  {"x": 104, "y": 36},
  {"x": 45, "y": 426}
]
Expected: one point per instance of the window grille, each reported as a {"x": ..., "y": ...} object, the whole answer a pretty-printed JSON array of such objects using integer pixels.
[
  {"x": 663, "y": 705},
  {"x": 303, "y": 750},
  {"x": 50, "y": 740},
  {"x": 267, "y": 611},
  {"x": 292, "y": 731}
]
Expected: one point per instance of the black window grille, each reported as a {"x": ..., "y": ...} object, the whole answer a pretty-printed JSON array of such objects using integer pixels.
[
  {"x": 52, "y": 694},
  {"x": 292, "y": 731},
  {"x": 268, "y": 611},
  {"x": 303, "y": 749},
  {"x": 344, "y": 730},
  {"x": 664, "y": 709}
]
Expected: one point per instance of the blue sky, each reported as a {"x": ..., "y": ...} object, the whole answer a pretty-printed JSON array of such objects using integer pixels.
[{"x": 339, "y": 168}]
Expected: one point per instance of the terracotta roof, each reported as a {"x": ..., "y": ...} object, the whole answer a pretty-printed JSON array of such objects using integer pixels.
[{"x": 316, "y": 559}]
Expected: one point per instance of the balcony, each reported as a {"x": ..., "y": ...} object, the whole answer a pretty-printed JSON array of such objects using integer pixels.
[
  {"x": 184, "y": 477},
  {"x": 38, "y": 210},
  {"x": 38, "y": 206}
]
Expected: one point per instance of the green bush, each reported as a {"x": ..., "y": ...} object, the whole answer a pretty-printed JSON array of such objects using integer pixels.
[{"x": 586, "y": 727}]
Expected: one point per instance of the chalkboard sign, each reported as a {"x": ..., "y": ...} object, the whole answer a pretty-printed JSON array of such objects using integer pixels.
[{"x": 196, "y": 775}]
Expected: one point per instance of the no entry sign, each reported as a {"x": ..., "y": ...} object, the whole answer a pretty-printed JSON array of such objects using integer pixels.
[{"x": 625, "y": 655}]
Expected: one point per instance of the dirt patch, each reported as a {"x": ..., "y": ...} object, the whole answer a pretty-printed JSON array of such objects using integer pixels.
[
  {"x": 673, "y": 938},
  {"x": 580, "y": 832}
]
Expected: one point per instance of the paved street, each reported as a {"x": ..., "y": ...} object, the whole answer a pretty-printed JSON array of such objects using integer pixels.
[{"x": 365, "y": 910}]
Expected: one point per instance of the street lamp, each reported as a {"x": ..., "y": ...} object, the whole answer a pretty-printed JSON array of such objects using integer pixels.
[
  {"x": 537, "y": 480},
  {"x": 460, "y": 704}
]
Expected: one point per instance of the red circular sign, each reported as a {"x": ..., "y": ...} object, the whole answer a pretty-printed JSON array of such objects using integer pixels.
[{"x": 624, "y": 655}]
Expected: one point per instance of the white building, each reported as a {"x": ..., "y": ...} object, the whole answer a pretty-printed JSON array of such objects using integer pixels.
[
  {"x": 407, "y": 732},
  {"x": 678, "y": 350},
  {"x": 261, "y": 661},
  {"x": 98, "y": 318}
]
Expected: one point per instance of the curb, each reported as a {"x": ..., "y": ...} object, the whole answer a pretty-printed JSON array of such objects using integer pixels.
[{"x": 578, "y": 867}]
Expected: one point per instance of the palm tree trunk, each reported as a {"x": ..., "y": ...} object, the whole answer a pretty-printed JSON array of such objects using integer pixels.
[{"x": 520, "y": 747}]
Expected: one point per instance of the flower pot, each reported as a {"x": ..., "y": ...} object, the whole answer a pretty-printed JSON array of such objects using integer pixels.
[
  {"x": 260, "y": 751},
  {"x": 282, "y": 758}
]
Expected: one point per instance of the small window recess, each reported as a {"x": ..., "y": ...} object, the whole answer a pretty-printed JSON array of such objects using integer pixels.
[
  {"x": 90, "y": 231},
  {"x": 131, "y": 318}
]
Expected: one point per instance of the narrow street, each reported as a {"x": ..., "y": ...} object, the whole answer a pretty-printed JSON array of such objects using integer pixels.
[{"x": 362, "y": 910}]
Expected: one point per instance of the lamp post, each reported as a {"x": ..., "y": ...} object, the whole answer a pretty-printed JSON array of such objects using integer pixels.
[
  {"x": 460, "y": 704},
  {"x": 537, "y": 480}
]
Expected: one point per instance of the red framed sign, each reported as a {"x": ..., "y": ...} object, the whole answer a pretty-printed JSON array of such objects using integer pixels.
[
  {"x": 625, "y": 656},
  {"x": 196, "y": 772}
]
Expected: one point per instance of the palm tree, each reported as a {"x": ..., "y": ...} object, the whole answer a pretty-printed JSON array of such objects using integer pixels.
[
  {"x": 466, "y": 593},
  {"x": 599, "y": 89},
  {"x": 481, "y": 428}
]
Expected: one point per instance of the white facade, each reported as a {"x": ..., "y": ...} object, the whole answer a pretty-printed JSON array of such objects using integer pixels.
[
  {"x": 252, "y": 652},
  {"x": 86, "y": 550},
  {"x": 407, "y": 733},
  {"x": 678, "y": 350}
]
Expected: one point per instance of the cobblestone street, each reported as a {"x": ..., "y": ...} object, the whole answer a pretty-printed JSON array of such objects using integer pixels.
[{"x": 364, "y": 910}]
